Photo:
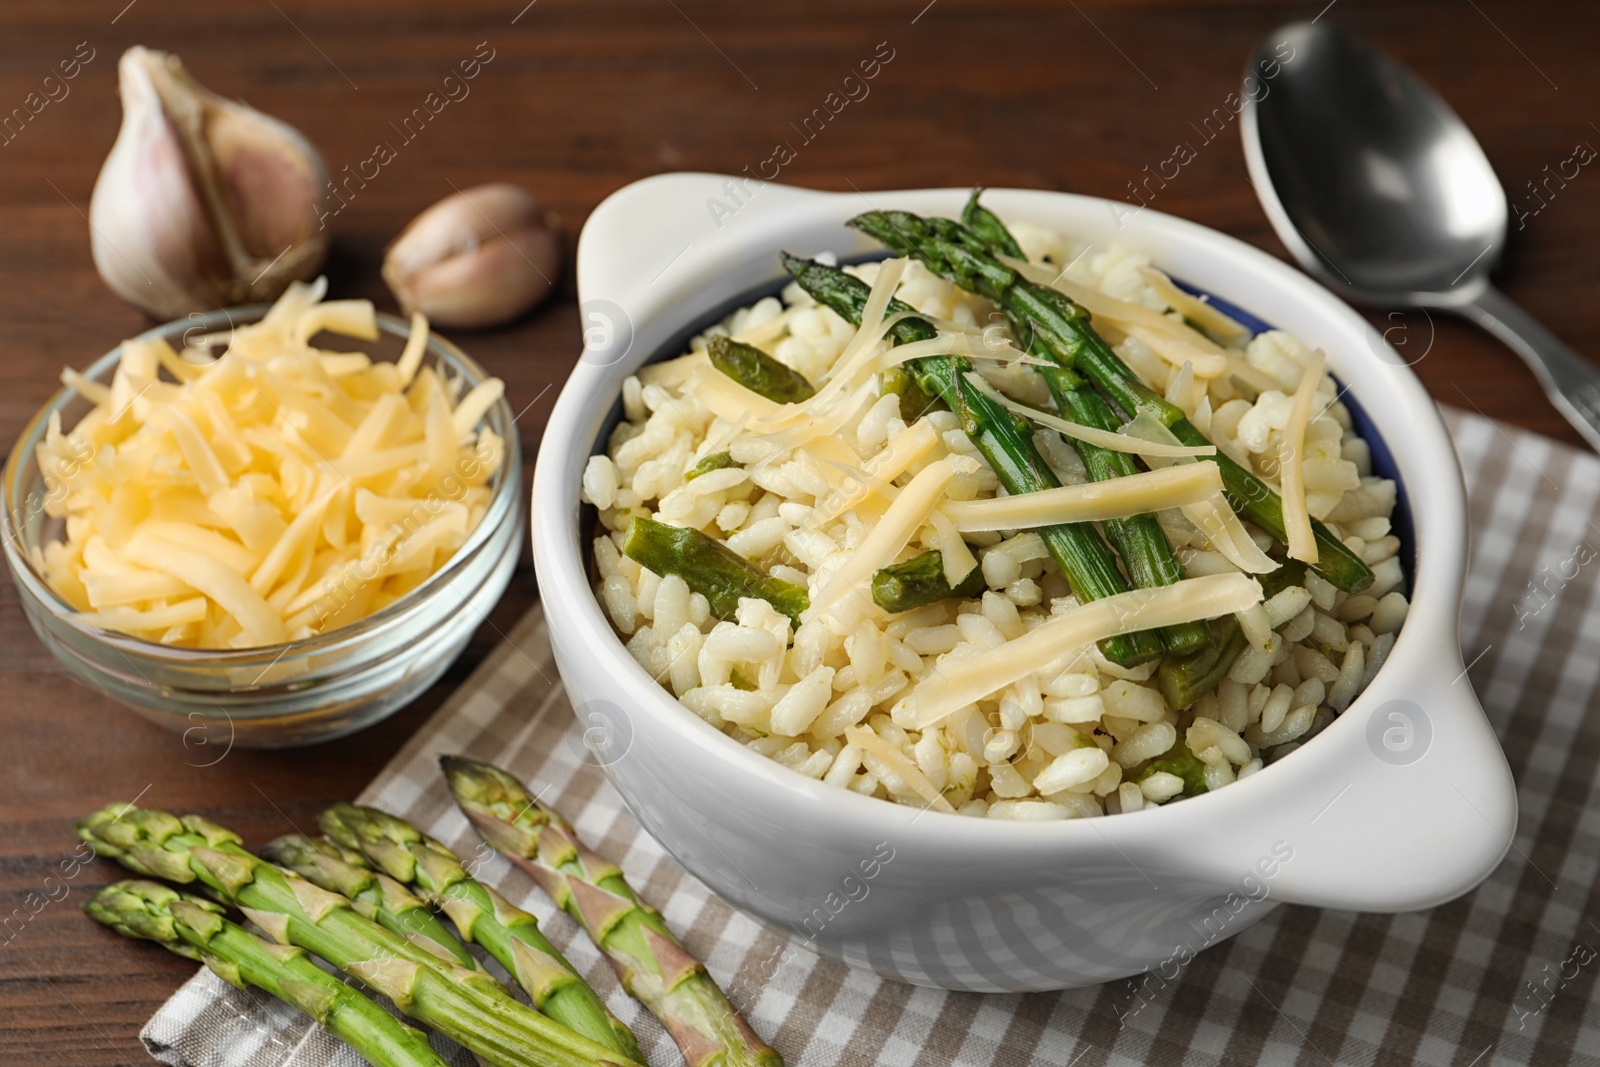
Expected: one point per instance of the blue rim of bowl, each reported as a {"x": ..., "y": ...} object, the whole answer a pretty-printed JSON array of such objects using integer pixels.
[{"x": 504, "y": 504}]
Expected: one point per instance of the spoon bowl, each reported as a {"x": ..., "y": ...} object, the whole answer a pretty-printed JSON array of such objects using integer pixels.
[{"x": 1379, "y": 189}]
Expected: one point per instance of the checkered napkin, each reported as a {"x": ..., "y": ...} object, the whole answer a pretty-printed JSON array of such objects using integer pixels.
[{"x": 1506, "y": 975}]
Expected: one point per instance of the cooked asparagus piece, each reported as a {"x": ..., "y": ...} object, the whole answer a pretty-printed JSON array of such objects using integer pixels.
[
  {"x": 483, "y": 916},
  {"x": 652, "y": 965},
  {"x": 920, "y": 580},
  {"x": 197, "y": 929},
  {"x": 988, "y": 228},
  {"x": 710, "y": 568},
  {"x": 1064, "y": 329},
  {"x": 757, "y": 371},
  {"x": 1181, "y": 762},
  {"x": 914, "y": 403},
  {"x": 714, "y": 462},
  {"x": 1139, "y": 540},
  {"x": 1005, "y": 441},
  {"x": 1185, "y": 679},
  {"x": 469, "y": 1007},
  {"x": 375, "y": 894}
]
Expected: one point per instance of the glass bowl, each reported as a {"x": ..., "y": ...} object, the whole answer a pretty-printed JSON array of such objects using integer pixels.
[{"x": 276, "y": 695}]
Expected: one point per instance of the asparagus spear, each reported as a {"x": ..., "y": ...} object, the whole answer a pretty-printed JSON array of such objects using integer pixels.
[
  {"x": 757, "y": 371},
  {"x": 374, "y": 894},
  {"x": 1181, "y": 762},
  {"x": 1005, "y": 441},
  {"x": 710, "y": 568},
  {"x": 914, "y": 403},
  {"x": 920, "y": 580},
  {"x": 651, "y": 963},
  {"x": 197, "y": 929},
  {"x": 469, "y": 1007},
  {"x": 1138, "y": 539},
  {"x": 714, "y": 462},
  {"x": 1063, "y": 327},
  {"x": 1185, "y": 679},
  {"x": 483, "y": 916}
]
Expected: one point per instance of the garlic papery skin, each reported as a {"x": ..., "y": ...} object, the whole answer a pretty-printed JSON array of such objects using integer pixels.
[
  {"x": 203, "y": 202},
  {"x": 477, "y": 258}
]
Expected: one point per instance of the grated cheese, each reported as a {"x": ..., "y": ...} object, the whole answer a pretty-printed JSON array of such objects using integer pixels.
[
  {"x": 1115, "y": 498},
  {"x": 1213, "y": 516},
  {"x": 1108, "y": 439},
  {"x": 955, "y": 685},
  {"x": 911, "y": 508},
  {"x": 224, "y": 501},
  {"x": 1194, "y": 308},
  {"x": 1291, "y": 461}
]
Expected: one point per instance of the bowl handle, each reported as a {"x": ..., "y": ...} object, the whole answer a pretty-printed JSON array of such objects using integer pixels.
[{"x": 1422, "y": 806}]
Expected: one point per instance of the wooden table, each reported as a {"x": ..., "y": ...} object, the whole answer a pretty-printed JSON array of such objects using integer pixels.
[{"x": 579, "y": 99}]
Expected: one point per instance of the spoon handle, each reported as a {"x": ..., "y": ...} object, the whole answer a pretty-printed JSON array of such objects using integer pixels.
[{"x": 1572, "y": 382}]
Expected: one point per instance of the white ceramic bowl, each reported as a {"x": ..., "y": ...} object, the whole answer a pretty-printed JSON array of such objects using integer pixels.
[{"x": 1403, "y": 802}]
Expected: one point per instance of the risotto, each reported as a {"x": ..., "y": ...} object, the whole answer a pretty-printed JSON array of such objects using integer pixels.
[{"x": 835, "y": 685}]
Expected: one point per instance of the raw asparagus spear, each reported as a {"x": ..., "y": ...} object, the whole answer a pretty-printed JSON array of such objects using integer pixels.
[
  {"x": 651, "y": 963},
  {"x": 1063, "y": 327},
  {"x": 1138, "y": 539},
  {"x": 469, "y": 1007},
  {"x": 757, "y": 371},
  {"x": 920, "y": 580},
  {"x": 710, "y": 568},
  {"x": 1004, "y": 439},
  {"x": 483, "y": 916},
  {"x": 197, "y": 929},
  {"x": 375, "y": 895}
]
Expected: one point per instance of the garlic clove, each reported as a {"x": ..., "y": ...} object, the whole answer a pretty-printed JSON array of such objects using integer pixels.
[
  {"x": 477, "y": 258},
  {"x": 203, "y": 201}
]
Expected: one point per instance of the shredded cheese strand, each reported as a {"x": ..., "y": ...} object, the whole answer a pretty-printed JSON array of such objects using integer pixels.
[
  {"x": 1115, "y": 498},
  {"x": 875, "y": 747},
  {"x": 888, "y": 464},
  {"x": 893, "y": 532},
  {"x": 1214, "y": 517},
  {"x": 1291, "y": 462},
  {"x": 955, "y": 685},
  {"x": 857, "y": 354},
  {"x": 1108, "y": 439},
  {"x": 1194, "y": 308}
]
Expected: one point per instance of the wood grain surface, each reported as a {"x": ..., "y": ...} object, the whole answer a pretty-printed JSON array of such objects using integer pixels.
[{"x": 581, "y": 97}]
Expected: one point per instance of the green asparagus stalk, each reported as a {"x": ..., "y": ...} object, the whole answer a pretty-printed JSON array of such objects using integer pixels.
[
  {"x": 757, "y": 371},
  {"x": 920, "y": 580},
  {"x": 1185, "y": 679},
  {"x": 469, "y": 1007},
  {"x": 714, "y": 462},
  {"x": 1138, "y": 539},
  {"x": 914, "y": 403},
  {"x": 710, "y": 568},
  {"x": 1004, "y": 440},
  {"x": 1063, "y": 327},
  {"x": 652, "y": 964},
  {"x": 1181, "y": 762},
  {"x": 483, "y": 916},
  {"x": 196, "y": 929},
  {"x": 374, "y": 894}
]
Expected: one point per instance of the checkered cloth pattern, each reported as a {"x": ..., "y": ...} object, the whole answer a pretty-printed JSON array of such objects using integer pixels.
[{"x": 1505, "y": 975}]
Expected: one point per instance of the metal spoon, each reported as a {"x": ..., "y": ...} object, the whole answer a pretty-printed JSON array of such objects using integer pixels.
[{"x": 1379, "y": 189}]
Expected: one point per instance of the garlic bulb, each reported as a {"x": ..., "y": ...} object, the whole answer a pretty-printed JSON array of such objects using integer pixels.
[
  {"x": 479, "y": 257},
  {"x": 203, "y": 202}
]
